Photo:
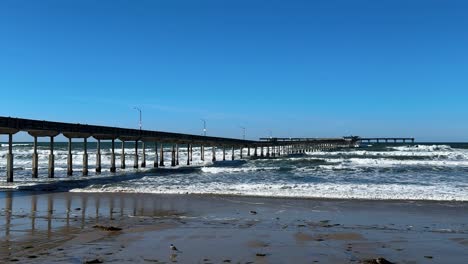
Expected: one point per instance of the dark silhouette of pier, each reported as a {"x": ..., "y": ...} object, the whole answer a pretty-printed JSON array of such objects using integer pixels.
[{"x": 264, "y": 148}]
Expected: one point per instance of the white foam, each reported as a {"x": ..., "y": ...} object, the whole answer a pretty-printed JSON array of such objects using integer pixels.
[{"x": 322, "y": 190}]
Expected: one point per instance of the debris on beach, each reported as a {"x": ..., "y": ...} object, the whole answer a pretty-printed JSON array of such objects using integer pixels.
[
  {"x": 260, "y": 254},
  {"x": 376, "y": 261},
  {"x": 94, "y": 261},
  {"x": 253, "y": 212},
  {"x": 108, "y": 228}
]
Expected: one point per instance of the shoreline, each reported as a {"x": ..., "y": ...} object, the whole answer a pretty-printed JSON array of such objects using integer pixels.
[
  {"x": 43, "y": 227},
  {"x": 337, "y": 199}
]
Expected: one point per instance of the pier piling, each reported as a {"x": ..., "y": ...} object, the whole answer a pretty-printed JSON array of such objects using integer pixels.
[
  {"x": 161, "y": 156},
  {"x": 85, "y": 157},
  {"x": 188, "y": 154},
  {"x": 143, "y": 157},
  {"x": 51, "y": 159},
  {"x": 10, "y": 159},
  {"x": 35, "y": 160},
  {"x": 173, "y": 161},
  {"x": 122, "y": 157},
  {"x": 69, "y": 158},
  {"x": 98, "y": 157},
  {"x": 135, "y": 156},
  {"x": 213, "y": 153},
  {"x": 155, "y": 165},
  {"x": 113, "y": 168}
]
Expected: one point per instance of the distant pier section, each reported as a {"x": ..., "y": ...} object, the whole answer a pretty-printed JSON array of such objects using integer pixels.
[
  {"x": 387, "y": 140},
  {"x": 155, "y": 141}
]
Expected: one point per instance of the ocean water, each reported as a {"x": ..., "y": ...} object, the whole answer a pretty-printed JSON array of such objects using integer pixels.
[{"x": 380, "y": 171}]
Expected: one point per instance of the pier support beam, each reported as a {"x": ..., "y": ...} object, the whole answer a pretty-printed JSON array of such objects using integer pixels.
[
  {"x": 69, "y": 158},
  {"x": 161, "y": 156},
  {"x": 241, "y": 150},
  {"x": 85, "y": 157},
  {"x": 188, "y": 154},
  {"x": 122, "y": 157},
  {"x": 232, "y": 154},
  {"x": 213, "y": 153},
  {"x": 143, "y": 157},
  {"x": 224, "y": 153},
  {"x": 255, "y": 151},
  {"x": 202, "y": 152},
  {"x": 155, "y": 155},
  {"x": 10, "y": 159},
  {"x": 191, "y": 152},
  {"x": 268, "y": 151},
  {"x": 248, "y": 151},
  {"x": 51, "y": 159},
  {"x": 261, "y": 152},
  {"x": 35, "y": 160},
  {"x": 177, "y": 154},
  {"x": 173, "y": 161},
  {"x": 112, "y": 168},
  {"x": 98, "y": 157},
  {"x": 135, "y": 157}
]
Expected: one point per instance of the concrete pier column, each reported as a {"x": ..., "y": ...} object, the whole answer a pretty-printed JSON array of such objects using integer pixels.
[
  {"x": 261, "y": 152},
  {"x": 202, "y": 152},
  {"x": 155, "y": 155},
  {"x": 85, "y": 157},
  {"x": 98, "y": 157},
  {"x": 143, "y": 157},
  {"x": 10, "y": 159},
  {"x": 173, "y": 161},
  {"x": 191, "y": 152},
  {"x": 248, "y": 151},
  {"x": 241, "y": 150},
  {"x": 122, "y": 157},
  {"x": 213, "y": 153},
  {"x": 255, "y": 151},
  {"x": 232, "y": 154},
  {"x": 35, "y": 160},
  {"x": 268, "y": 151},
  {"x": 112, "y": 168},
  {"x": 69, "y": 158},
  {"x": 161, "y": 156},
  {"x": 177, "y": 155},
  {"x": 224, "y": 153},
  {"x": 188, "y": 154},
  {"x": 51, "y": 159},
  {"x": 135, "y": 156}
]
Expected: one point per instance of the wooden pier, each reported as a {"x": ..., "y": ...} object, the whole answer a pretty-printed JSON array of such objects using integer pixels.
[{"x": 37, "y": 128}]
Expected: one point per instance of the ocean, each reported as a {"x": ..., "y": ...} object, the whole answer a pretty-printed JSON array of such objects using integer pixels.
[{"x": 429, "y": 171}]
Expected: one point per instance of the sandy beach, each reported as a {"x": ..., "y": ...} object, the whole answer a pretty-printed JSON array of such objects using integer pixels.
[{"x": 139, "y": 228}]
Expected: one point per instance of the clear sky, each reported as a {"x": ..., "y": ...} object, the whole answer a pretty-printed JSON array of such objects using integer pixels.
[{"x": 295, "y": 68}]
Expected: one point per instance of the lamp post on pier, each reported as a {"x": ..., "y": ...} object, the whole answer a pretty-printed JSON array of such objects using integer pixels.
[
  {"x": 139, "y": 110},
  {"x": 243, "y": 132},
  {"x": 204, "y": 127}
]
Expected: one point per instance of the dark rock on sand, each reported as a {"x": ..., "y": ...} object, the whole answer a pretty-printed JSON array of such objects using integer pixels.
[
  {"x": 253, "y": 212},
  {"x": 107, "y": 228},
  {"x": 94, "y": 261},
  {"x": 376, "y": 261},
  {"x": 260, "y": 254}
]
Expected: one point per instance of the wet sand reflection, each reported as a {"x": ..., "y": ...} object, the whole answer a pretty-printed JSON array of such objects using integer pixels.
[{"x": 44, "y": 220}]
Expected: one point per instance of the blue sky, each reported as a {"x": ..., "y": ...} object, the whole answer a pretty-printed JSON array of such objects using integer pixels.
[{"x": 297, "y": 68}]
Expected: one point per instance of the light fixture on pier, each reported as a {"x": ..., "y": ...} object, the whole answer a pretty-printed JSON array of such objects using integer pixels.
[{"x": 139, "y": 110}]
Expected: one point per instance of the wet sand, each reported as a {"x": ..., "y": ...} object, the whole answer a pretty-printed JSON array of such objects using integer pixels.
[{"x": 74, "y": 228}]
